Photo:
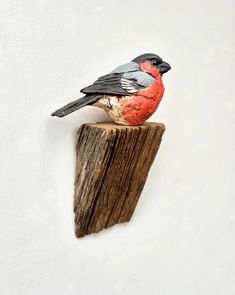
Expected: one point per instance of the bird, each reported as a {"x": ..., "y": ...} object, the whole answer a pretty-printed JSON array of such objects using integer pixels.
[{"x": 130, "y": 94}]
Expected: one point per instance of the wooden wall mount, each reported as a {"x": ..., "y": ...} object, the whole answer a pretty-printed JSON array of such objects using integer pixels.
[{"x": 112, "y": 165}]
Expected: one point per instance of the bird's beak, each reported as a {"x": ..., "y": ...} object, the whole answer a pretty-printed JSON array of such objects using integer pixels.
[{"x": 164, "y": 67}]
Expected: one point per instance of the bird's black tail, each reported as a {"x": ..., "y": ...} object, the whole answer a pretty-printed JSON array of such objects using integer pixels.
[{"x": 76, "y": 105}]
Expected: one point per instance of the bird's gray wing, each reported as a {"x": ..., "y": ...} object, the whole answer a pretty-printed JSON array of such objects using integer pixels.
[
  {"x": 128, "y": 67},
  {"x": 124, "y": 80}
]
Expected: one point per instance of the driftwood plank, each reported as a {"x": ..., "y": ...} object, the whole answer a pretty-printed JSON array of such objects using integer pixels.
[{"x": 111, "y": 169}]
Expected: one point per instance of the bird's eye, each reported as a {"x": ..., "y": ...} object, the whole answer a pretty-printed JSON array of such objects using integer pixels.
[{"x": 155, "y": 62}]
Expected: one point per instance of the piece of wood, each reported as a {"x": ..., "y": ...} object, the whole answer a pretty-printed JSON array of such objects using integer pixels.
[{"x": 111, "y": 169}]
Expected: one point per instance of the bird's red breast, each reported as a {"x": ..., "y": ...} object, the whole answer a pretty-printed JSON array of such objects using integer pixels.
[{"x": 136, "y": 109}]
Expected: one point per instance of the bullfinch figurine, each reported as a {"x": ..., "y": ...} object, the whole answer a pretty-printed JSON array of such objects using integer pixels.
[{"x": 130, "y": 94}]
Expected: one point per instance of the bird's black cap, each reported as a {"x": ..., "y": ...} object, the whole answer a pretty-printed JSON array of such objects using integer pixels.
[
  {"x": 146, "y": 56},
  {"x": 155, "y": 60}
]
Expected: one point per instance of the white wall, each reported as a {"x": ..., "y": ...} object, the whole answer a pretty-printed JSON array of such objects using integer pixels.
[{"x": 181, "y": 239}]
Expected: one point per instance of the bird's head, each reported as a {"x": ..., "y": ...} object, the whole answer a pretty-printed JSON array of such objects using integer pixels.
[{"x": 152, "y": 64}]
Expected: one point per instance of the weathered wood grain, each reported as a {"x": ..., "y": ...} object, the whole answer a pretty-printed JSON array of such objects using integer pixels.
[{"x": 111, "y": 169}]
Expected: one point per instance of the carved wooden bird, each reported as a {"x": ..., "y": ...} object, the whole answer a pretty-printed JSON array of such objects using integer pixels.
[{"x": 130, "y": 94}]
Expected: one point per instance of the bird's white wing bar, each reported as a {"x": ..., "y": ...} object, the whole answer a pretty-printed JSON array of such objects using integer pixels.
[{"x": 128, "y": 85}]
